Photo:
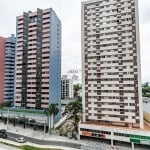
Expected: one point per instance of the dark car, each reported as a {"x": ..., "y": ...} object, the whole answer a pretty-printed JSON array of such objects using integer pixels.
[
  {"x": 3, "y": 135},
  {"x": 2, "y": 130}
]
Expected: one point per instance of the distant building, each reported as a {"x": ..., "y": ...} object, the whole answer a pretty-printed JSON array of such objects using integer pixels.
[
  {"x": 67, "y": 93},
  {"x": 9, "y": 68},
  {"x": 38, "y": 60},
  {"x": 146, "y": 84},
  {"x": 66, "y": 88},
  {"x": 2, "y": 67}
]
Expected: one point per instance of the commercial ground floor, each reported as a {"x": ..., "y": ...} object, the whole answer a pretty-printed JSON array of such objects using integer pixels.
[
  {"x": 112, "y": 133},
  {"x": 36, "y": 121}
]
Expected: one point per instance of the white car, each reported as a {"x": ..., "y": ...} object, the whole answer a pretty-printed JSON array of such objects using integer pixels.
[{"x": 20, "y": 139}]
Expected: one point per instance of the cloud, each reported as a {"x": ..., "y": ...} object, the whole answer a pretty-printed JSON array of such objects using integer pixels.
[
  {"x": 69, "y": 11},
  {"x": 144, "y": 9},
  {"x": 144, "y": 14}
]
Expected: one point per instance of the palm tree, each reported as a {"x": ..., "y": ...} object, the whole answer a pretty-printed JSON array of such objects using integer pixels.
[
  {"x": 51, "y": 112},
  {"x": 73, "y": 111}
]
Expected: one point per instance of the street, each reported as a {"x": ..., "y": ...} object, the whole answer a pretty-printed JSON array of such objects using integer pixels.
[
  {"x": 13, "y": 136},
  {"x": 38, "y": 137},
  {"x": 90, "y": 145}
]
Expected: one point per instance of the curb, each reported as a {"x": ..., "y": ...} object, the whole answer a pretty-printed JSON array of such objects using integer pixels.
[{"x": 35, "y": 145}]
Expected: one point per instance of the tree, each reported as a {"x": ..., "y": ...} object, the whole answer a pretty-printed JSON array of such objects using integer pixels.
[
  {"x": 73, "y": 111},
  {"x": 146, "y": 84},
  {"x": 76, "y": 88},
  {"x": 6, "y": 104},
  {"x": 51, "y": 112},
  {"x": 146, "y": 91}
]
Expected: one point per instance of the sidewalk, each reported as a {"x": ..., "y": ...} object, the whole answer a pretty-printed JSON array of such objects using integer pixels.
[
  {"x": 6, "y": 147},
  {"x": 29, "y": 132},
  {"x": 31, "y": 144}
]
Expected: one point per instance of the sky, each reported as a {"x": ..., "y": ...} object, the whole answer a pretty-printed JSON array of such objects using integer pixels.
[{"x": 69, "y": 11}]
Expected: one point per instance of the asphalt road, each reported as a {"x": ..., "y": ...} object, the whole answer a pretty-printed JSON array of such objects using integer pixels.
[{"x": 13, "y": 136}]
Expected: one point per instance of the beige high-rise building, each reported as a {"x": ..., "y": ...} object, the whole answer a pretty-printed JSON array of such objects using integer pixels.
[
  {"x": 111, "y": 64},
  {"x": 38, "y": 59}
]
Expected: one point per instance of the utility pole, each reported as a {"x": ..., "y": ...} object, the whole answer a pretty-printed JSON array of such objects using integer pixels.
[
  {"x": 7, "y": 118},
  {"x": 132, "y": 146},
  {"x": 44, "y": 128},
  {"x": 112, "y": 136}
]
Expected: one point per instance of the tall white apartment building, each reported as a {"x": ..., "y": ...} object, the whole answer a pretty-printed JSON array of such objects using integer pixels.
[
  {"x": 66, "y": 88},
  {"x": 111, "y": 65}
]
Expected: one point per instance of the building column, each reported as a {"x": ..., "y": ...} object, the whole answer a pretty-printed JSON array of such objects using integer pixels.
[
  {"x": 24, "y": 122},
  {"x": 132, "y": 146},
  {"x": 112, "y": 138},
  {"x": 5, "y": 120},
  {"x": 14, "y": 122}
]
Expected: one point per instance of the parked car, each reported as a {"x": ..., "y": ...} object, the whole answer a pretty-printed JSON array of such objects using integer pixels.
[
  {"x": 3, "y": 135},
  {"x": 20, "y": 140},
  {"x": 3, "y": 130}
]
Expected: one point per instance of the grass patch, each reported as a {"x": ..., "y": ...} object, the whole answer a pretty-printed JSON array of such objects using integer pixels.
[
  {"x": 28, "y": 147},
  {"x": 9, "y": 144}
]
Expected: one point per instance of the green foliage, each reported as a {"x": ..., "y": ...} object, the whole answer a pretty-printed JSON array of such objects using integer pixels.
[
  {"x": 8, "y": 104},
  {"x": 52, "y": 110},
  {"x": 73, "y": 111},
  {"x": 146, "y": 91},
  {"x": 5, "y": 143},
  {"x": 27, "y": 147},
  {"x": 1, "y": 105},
  {"x": 76, "y": 88},
  {"x": 5, "y": 104}
]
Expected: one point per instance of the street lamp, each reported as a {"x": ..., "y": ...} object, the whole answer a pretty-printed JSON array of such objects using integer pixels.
[
  {"x": 44, "y": 128},
  {"x": 7, "y": 118}
]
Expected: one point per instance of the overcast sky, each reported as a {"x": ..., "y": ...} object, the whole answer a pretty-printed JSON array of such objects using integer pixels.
[{"x": 69, "y": 13}]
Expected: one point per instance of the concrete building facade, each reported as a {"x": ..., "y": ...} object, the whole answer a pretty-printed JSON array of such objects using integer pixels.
[
  {"x": 111, "y": 63},
  {"x": 67, "y": 92},
  {"x": 2, "y": 67},
  {"x": 111, "y": 68},
  {"x": 38, "y": 60},
  {"x": 66, "y": 88},
  {"x": 9, "y": 68}
]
